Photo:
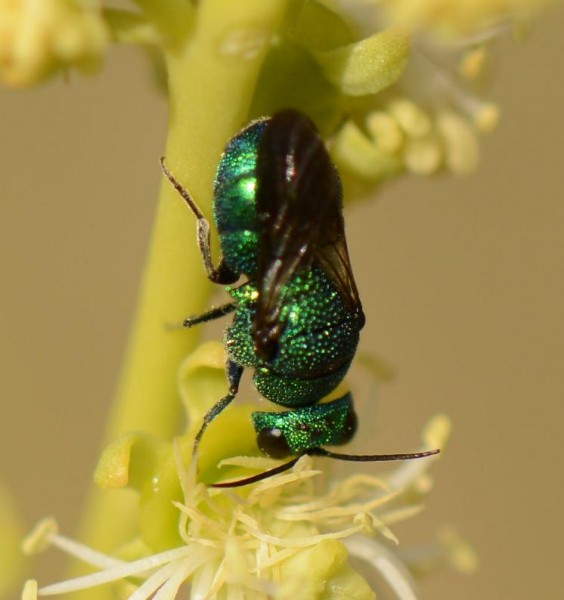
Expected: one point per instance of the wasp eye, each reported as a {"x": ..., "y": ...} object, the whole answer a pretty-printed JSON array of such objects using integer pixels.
[{"x": 272, "y": 442}]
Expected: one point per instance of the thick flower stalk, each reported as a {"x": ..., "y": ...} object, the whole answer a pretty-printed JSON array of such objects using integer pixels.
[
  {"x": 12, "y": 562},
  {"x": 393, "y": 87}
]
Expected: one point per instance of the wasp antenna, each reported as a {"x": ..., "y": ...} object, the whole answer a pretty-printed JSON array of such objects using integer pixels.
[
  {"x": 371, "y": 457},
  {"x": 328, "y": 454},
  {"x": 258, "y": 477}
]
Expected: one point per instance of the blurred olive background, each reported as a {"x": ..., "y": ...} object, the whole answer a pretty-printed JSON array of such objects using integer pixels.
[{"x": 462, "y": 282}]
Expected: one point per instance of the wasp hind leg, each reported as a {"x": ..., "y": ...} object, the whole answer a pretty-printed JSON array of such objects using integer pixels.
[{"x": 221, "y": 274}]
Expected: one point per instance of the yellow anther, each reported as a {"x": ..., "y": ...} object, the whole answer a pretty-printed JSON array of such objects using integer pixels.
[
  {"x": 472, "y": 63},
  {"x": 410, "y": 117},
  {"x": 423, "y": 156},
  {"x": 385, "y": 131},
  {"x": 461, "y": 145}
]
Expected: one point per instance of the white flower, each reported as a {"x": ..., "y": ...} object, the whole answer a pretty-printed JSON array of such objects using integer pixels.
[{"x": 277, "y": 539}]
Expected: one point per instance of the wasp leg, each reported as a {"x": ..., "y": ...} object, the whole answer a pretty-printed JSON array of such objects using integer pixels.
[
  {"x": 214, "y": 313},
  {"x": 220, "y": 274},
  {"x": 234, "y": 373}
]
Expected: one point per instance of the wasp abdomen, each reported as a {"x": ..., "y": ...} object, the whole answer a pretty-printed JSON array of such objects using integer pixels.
[{"x": 234, "y": 204}]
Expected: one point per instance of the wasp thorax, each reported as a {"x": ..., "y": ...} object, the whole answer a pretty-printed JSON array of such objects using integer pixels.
[{"x": 266, "y": 348}]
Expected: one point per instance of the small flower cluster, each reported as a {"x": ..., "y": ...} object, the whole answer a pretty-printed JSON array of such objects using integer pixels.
[
  {"x": 404, "y": 136},
  {"x": 283, "y": 538},
  {"x": 429, "y": 120},
  {"x": 450, "y": 19},
  {"x": 399, "y": 99},
  {"x": 39, "y": 37}
]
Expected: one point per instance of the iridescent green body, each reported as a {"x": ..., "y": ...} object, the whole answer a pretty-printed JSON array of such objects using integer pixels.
[
  {"x": 320, "y": 335},
  {"x": 297, "y": 317},
  {"x": 315, "y": 348},
  {"x": 234, "y": 204},
  {"x": 297, "y": 313}
]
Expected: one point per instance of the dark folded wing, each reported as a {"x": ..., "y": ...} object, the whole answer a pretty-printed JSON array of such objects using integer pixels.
[
  {"x": 333, "y": 257},
  {"x": 299, "y": 208}
]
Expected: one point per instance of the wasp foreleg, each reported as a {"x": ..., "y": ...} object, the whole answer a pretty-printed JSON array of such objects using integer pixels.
[{"x": 234, "y": 373}]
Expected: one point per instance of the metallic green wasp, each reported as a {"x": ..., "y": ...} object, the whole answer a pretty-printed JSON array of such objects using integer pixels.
[{"x": 297, "y": 315}]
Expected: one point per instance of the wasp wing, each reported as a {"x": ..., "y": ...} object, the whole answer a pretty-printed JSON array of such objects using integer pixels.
[
  {"x": 299, "y": 210},
  {"x": 333, "y": 257}
]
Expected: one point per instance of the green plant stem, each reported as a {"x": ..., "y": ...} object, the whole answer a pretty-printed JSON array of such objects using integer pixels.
[
  {"x": 172, "y": 18},
  {"x": 211, "y": 84}
]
